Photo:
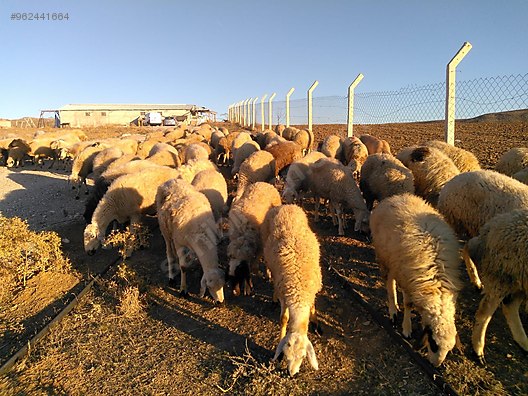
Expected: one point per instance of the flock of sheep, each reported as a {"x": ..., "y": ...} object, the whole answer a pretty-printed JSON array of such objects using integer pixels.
[{"x": 428, "y": 209}]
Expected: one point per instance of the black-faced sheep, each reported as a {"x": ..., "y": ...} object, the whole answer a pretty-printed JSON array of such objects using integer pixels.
[
  {"x": 335, "y": 182},
  {"x": 127, "y": 198},
  {"x": 431, "y": 169},
  {"x": 464, "y": 160},
  {"x": 213, "y": 185},
  {"x": 375, "y": 145},
  {"x": 500, "y": 253},
  {"x": 291, "y": 252},
  {"x": 245, "y": 219},
  {"x": 383, "y": 176},
  {"x": 417, "y": 250},
  {"x": 298, "y": 176},
  {"x": 186, "y": 222},
  {"x": 513, "y": 161},
  {"x": 470, "y": 199}
]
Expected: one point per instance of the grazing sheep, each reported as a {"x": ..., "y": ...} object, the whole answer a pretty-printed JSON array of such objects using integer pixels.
[
  {"x": 512, "y": 161},
  {"x": 186, "y": 222},
  {"x": 354, "y": 153},
  {"x": 144, "y": 147},
  {"x": 470, "y": 199},
  {"x": 417, "y": 250},
  {"x": 335, "y": 182},
  {"x": 331, "y": 146},
  {"x": 195, "y": 151},
  {"x": 284, "y": 153},
  {"x": 279, "y": 128},
  {"x": 104, "y": 158},
  {"x": 259, "y": 166},
  {"x": 18, "y": 151},
  {"x": 238, "y": 141},
  {"x": 245, "y": 219},
  {"x": 464, "y": 160},
  {"x": 289, "y": 133},
  {"x": 522, "y": 176},
  {"x": 305, "y": 139},
  {"x": 375, "y": 145},
  {"x": 431, "y": 169},
  {"x": 127, "y": 198},
  {"x": 383, "y": 176},
  {"x": 221, "y": 152},
  {"x": 500, "y": 253},
  {"x": 213, "y": 185},
  {"x": 299, "y": 175},
  {"x": 242, "y": 153},
  {"x": 83, "y": 165},
  {"x": 173, "y": 135},
  {"x": 224, "y": 130},
  {"x": 291, "y": 252}
]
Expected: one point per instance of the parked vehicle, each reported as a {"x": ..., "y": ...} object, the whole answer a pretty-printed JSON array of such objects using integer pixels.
[
  {"x": 169, "y": 121},
  {"x": 153, "y": 118}
]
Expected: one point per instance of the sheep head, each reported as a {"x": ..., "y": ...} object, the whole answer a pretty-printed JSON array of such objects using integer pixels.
[
  {"x": 440, "y": 334},
  {"x": 289, "y": 195},
  {"x": 295, "y": 347},
  {"x": 214, "y": 281},
  {"x": 91, "y": 238},
  {"x": 362, "y": 221}
]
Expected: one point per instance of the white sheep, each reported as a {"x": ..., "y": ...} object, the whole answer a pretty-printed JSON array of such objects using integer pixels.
[
  {"x": 464, "y": 160},
  {"x": 375, "y": 145},
  {"x": 245, "y": 219},
  {"x": 195, "y": 151},
  {"x": 298, "y": 176},
  {"x": 331, "y": 146},
  {"x": 291, "y": 252},
  {"x": 354, "y": 154},
  {"x": 383, "y": 176},
  {"x": 186, "y": 222},
  {"x": 242, "y": 153},
  {"x": 513, "y": 161},
  {"x": 501, "y": 257},
  {"x": 259, "y": 166},
  {"x": 238, "y": 141},
  {"x": 127, "y": 198},
  {"x": 335, "y": 182},
  {"x": 305, "y": 139},
  {"x": 417, "y": 250},
  {"x": 431, "y": 169},
  {"x": 470, "y": 199},
  {"x": 83, "y": 165},
  {"x": 213, "y": 185},
  {"x": 289, "y": 133},
  {"x": 522, "y": 176},
  {"x": 104, "y": 158}
]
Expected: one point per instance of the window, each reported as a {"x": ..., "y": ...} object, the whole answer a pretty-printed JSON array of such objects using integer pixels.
[
  {"x": 103, "y": 113},
  {"x": 87, "y": 114}
]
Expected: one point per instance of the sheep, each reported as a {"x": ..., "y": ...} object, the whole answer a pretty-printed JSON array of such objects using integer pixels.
[
  {"x": 331, "y": 146},
  {"x": 336, "y": 183},
  {"x": 18, "y": 151},
  {"x": 284, "y": 153},
  {"x": 215, "y": 140},
  {"x": 470, "y": 199},
  {"x": 279, "y": 128},
  {"x": 464, "y": 160},
  {"x": 500, "y": 254},
  {"x": 127, "y": 198},
  {"x": 289, "y": 133},
  {"x": 259, "y": 166},
  {"x": 242, "y": 153},
  {"x": 174, "y": 134},
  {"x": 305, "y": 139},
  {"x": 204, "y": 130},
  {"x": 375, "y": 145},
  {"x": 145, "y": 146},
  {"x": 195, "y": 151},
  {"x": 186, "y": 222},
  {"x": 522, "y": 175},
  {"x": 431, "y": 169},
  {"x": 354, "y": 153},
  {"x": 213, "y": 185},
  {"x": 224, "y": 130},
  {"x": 298, "y": 176},
  {"x": 83, "y": 165},
  {"x": 383, "y": 176},
  {"x": 104, "y": 158},
  {"x": 222, "y": 151},
  {"x": 238, "y": 141},
  {"x": 245, "y": 219},
  {"x": 513, "y": 161},
  {"x": 291, "y": 252},
  {"x": 417, "y": 250}
]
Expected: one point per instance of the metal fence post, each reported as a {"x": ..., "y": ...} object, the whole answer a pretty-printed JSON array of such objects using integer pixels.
[
  {"x": 254, "y": 112},
  {"x": 270, "y": 110},
  {"x": 288, "y": 106},
  {"x": 262, "y": 112},
  {"x": 310, "y": 90},
  {"x": 350, "y": 127},
  {"x": 450, "y": 115},
  {"x": 248, "y": 119}
]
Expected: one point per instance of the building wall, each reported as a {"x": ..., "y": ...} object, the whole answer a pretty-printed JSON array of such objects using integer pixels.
[{"x": 80, "y": 118}]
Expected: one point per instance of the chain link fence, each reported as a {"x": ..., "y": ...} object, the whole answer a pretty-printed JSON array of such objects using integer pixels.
[{"x": 411, "y": 104}]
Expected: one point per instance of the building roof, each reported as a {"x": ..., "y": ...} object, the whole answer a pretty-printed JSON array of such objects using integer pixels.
[{"x": 129, "y": 107}]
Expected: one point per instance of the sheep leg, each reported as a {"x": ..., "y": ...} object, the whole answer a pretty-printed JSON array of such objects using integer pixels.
[
  {"x": 339, "y": 214},
  {"x": 317, "y": 206},
  {"x": 285, "y": 316},
  {"x": 392, "y": 298},
  {"x": 510, "y": 309},
  {"x": 407, "y": 308},
  {"x": 314, "y": 323},
  {"x": 182, "y": 259},
  {"x": 333, "y": 213},
  {"x": 488, "y": 305},
  {"x": 171, "y": 258}
]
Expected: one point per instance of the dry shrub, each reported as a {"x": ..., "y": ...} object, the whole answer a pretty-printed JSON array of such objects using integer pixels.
[
  {"x": 131, "y": 302},
  {"x": 128, "y": 241},
  {"x": 25, "y": 253}
]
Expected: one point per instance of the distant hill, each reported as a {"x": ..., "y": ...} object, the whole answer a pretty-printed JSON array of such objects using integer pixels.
[{"x": 505, "y": 116}]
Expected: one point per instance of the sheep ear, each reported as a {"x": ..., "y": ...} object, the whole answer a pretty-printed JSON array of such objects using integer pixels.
[
  {"x": 311, "y": 355},
  {"x": 280, "y": 347}
]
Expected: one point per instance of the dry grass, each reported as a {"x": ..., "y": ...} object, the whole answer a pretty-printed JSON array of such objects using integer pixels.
[{"x": 128, "y": 241}]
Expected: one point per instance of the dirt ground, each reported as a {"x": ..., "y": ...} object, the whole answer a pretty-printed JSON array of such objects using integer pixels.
[{"x": 161, "y": 343}]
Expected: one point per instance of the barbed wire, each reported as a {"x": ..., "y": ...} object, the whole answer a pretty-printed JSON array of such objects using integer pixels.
[{"x": 412, "y": 103}]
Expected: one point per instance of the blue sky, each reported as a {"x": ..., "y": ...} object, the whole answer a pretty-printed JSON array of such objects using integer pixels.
[{"x": 213, "y": 53}]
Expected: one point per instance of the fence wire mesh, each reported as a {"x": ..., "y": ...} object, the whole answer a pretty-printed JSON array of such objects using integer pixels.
[{"x": 410, "y": 104}]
